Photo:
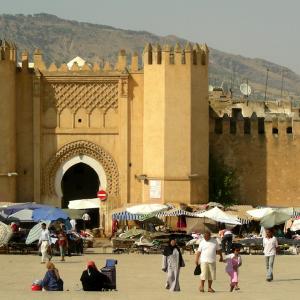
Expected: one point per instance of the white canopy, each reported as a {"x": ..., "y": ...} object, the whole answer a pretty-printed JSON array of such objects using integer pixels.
[
  {"x": 146, "y": 208},
  {"x": 23, "y": 215},
  {"x": 218, "y": 215},
  {"x": 259, "y": 213},
  {"x": 296, "y": 225},
  {"x": 84, "y": 203},
  {"x": 270, "y": 217}
]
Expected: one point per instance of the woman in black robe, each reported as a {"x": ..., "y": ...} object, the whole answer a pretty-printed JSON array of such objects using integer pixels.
[{"x": 92, "y": 279}]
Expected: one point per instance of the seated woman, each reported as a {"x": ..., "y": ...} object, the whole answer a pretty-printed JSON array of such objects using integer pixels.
[
  {"x": 52, "y": 280},
  {"x": 92, "y": 279}
]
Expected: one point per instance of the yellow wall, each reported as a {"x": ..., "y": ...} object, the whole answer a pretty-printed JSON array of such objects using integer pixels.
[{"x": 8, "y": 123}]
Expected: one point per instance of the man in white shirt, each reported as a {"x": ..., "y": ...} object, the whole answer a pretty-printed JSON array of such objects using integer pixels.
[
  {"x": 206, "y": 256},
  {"x": 45, "y": 243},
  {"x": 270, "y": 245},
  {"x": 86, "y": 220},
  {"x": 73, "y": 224}
]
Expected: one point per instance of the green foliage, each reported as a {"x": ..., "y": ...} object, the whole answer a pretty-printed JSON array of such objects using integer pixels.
[{"x": 222, "y": 182}]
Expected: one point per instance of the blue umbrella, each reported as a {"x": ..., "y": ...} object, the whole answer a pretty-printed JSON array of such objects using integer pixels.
[
  {"x": 17, "y": 207},
  {"x": 49, "y": 213}
]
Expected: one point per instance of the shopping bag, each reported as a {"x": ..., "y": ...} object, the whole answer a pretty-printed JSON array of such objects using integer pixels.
[{"x": 197, "y": 270}]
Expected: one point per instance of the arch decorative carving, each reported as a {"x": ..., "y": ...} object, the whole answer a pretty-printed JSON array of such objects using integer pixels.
[{"x": 82, "y": 148}]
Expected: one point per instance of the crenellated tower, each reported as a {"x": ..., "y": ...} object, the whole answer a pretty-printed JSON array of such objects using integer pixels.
[
  {"x": 8, "y": 121},
  {"x": 175, "y": 128}
]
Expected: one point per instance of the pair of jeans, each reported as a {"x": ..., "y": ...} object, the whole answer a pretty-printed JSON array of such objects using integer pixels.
[
  {"x": 269, "y": 265},
  {"x": 227, "y": 243}
]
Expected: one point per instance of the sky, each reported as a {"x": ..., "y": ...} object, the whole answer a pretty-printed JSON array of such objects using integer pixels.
[{"x": 258, "y": 28}]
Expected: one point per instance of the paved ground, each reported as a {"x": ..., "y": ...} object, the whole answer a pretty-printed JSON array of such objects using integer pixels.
[{"x": 139, "y": 277}]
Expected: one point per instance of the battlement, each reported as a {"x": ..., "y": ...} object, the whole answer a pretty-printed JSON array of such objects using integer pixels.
[
  {"x": 189, "y": 55},
  {"x": 254, "y": 126},
  {"x": 120, "y": 66},
  {"x": 8, "y": 51},
  {"x": 153, "y": 55}
]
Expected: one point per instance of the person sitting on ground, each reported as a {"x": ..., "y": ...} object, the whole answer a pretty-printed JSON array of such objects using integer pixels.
[
  {"x": 92, "y": 279},
  {"x": 52, "y": 280}
]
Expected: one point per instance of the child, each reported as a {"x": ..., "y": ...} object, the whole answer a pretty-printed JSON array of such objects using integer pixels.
[{"x": 234, "y": 261}]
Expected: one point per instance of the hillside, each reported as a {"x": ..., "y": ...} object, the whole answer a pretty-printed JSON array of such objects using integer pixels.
[{"x": 61, "y": 40}]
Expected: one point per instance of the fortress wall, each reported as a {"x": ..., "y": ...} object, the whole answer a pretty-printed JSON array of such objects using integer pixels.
[
  {"x": 8, "y": 171},
  {"x": 265, "y": 161},
  {"x": 175, "y": 116},
  {"x": 24, "y": 125}
]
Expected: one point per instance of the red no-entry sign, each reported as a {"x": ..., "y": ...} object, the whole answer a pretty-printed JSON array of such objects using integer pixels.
[{"x": 102, "y": 195}]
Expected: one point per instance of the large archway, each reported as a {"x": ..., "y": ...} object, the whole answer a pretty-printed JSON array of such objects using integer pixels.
[
  {"x": 80, "y": 152},
  {"x": 79, "y": 182}
]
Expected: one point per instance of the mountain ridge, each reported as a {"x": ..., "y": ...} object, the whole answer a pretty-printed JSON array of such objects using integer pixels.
[{"x": 60, "y": 40}]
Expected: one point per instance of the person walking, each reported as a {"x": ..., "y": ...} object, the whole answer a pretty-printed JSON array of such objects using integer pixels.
[
  {"x": 73, "y": 224},
  {"x": 270, "y": 245},
  {"x": 45, "y": 244},
  {"x": 171, "y": 264},
  {"x": 234, "y": 261},
  {"x": 226, "y": 236},
  {"x": 63, "y": 243},
  {"x": 206, "y": 256},
  {"x": 86, "y": 220}
]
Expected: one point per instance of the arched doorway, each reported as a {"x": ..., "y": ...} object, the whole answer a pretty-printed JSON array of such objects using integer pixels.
[{"x": 80, "y": 181}]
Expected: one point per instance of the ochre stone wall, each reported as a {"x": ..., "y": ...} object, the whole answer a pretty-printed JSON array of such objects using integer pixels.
[
  {"x": 265, "y": 164},
  {"x": 145, "y": 121},
  {"x": 8, "y": 153}
]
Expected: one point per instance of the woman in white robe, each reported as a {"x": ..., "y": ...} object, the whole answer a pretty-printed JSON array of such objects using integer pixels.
[{"x": 171, "y": 264}]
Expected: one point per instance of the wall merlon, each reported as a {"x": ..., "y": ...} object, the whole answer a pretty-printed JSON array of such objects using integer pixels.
[
  {"x": 52, "y": 68},
  {"x": 167, "y": 55},
  {"x": 8, "y": 51},
  {"x": 38, "y": 60},
  {"x": 156, "y": 54},
  {"x": 86, "y": 67},
  {"x": 107, "y": 66},
  {"x": 269, "y": 126},
  {"x": 147, "y": 54},
  {"x": 24, "y": 59},
  {"x": 134, "y": 62},
  {"x": 75, "y": 67},
  {"x": 122, "y": 61},
  {"x": 63, "y": 68},
  {"x": 96, "y": 67}
]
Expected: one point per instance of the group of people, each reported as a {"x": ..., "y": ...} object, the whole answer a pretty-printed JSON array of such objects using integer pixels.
[
  {"x": 206, "y": 257},
  {"x": 45, "y": 243},
  {"x": 91, "y": 278}
]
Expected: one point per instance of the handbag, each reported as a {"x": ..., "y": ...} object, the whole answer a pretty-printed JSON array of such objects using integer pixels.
[{"x": 197, "y": 270}]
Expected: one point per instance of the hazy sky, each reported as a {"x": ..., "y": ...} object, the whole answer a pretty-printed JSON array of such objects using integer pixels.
[{"x": 258, "y": 28}]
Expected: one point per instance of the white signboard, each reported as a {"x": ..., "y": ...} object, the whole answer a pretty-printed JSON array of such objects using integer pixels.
[{"x": 155, "y": 189}]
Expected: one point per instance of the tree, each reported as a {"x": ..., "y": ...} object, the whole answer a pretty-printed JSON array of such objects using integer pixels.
[{"x": 222, "y": 182}]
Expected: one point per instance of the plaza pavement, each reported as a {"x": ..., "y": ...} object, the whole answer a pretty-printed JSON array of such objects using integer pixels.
[{"x": 140, "y": 277}]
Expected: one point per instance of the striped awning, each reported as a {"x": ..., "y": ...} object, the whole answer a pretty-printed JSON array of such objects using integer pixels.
[
  {"x": 296, "y": 213},
  {"x": 244, "y": 221},
  {"x": 35, "y": 232},
  {"x": 177, "y": 213},
  {"x": 126, "y": 216}
]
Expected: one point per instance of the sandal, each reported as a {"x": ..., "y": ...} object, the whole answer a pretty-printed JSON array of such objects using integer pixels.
[
  {"x": 211, "y": 290},
  {"x": 201, "y": 290}
]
